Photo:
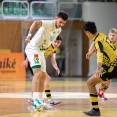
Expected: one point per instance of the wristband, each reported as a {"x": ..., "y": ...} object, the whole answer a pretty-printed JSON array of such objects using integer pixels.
[{"x": 29, "y": 34}]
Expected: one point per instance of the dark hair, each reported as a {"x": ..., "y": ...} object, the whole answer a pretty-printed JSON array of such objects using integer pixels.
[
  {"x": 63, "y": 15},
  {"x": 59, "y": 38},
  {"x": 91, "y": 27}
]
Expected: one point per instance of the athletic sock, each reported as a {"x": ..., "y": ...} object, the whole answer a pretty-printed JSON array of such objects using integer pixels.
[
  {"x": 103, "y": 87},
  {"x": 48, "y": 92},
  {"x": 94, "y": 101},
  {"x": 37, "y": 95}
]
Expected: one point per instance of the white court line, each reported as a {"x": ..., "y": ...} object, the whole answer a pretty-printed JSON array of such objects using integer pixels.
[{"x": 62, "y": 95}]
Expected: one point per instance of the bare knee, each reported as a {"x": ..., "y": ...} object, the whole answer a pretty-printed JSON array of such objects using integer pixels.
[{"x": 89, "y": 82}]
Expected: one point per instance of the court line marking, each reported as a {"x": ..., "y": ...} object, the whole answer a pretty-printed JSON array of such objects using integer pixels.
[{"x": 61, "y": 95}]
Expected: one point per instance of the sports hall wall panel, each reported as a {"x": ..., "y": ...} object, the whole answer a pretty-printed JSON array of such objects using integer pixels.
[{"x": 11, "y": 35}]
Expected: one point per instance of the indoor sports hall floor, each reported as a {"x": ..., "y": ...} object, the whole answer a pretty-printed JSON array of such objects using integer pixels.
[{"x": 72, "y": 92}]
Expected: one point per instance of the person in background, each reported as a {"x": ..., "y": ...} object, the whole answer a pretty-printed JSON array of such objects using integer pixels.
[{"x": 59, "y": 61}]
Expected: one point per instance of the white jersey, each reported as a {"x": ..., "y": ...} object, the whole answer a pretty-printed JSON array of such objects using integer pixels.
[
  {"x": 45, "y": 35},
  {"x": 43, "y": 38}
]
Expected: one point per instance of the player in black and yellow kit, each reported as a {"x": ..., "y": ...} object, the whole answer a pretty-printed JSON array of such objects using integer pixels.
[
  {"x": 50, "y": 51},
  {"x": 104, "y": 85},
  {"x": 106, "y": 64}
]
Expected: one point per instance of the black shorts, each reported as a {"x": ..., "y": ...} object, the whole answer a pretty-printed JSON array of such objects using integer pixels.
[{"x": 108, "y": 75}]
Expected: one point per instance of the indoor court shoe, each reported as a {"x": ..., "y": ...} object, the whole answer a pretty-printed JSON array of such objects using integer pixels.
[
  {"x": 54, "y": 102},
  {"x": 92, "y": 112},
  {"x": 47, "y": 106},
  {"x": 103, "y": 97},
  {"x": 101, "y": 94},
  {"x": 30, "y": 101}
]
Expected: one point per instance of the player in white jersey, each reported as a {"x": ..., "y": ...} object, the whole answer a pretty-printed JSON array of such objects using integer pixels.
[
  {"x": 46, "y": 34},
  {"x": 50, "y": 51}
]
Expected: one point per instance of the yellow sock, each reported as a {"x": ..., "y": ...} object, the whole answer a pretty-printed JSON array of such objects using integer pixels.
[
  {"x": 48, "y": 92},
  {"x": 94, "y": 101},
  {"x": 103, "y": 87}
]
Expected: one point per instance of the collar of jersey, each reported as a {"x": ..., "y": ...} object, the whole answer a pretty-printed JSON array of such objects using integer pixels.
[{"x": 96, "y": 37}]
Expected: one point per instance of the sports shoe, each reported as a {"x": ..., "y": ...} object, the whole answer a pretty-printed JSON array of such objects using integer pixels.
[
  {"x": 39, "y": 105},
  {"x": 103, "y": 97},
  {"x": 47, "y": 106},
  {"x": 54, "y": 102},
  {"x": 101, "y": 94},
  {"x": 30, "y": 101},
  {"x": 92, "y": 112}
]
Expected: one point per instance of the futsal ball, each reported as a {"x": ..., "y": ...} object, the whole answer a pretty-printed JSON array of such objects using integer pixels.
[{"x": 38, "y": 105}]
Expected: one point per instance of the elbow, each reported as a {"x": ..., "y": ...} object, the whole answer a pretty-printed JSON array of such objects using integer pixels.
[
  {"x": 35, "y": 23},
  {"x": 38, "y": 23}
]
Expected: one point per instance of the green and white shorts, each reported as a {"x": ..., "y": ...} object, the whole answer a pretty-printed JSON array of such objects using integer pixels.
[{"x": 35, "y": 57}]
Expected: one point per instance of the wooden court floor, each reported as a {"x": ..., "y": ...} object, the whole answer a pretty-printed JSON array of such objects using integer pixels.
[{"x": 73, "y": 93}]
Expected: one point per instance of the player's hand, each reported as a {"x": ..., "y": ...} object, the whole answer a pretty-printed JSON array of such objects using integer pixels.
[
  {"x": 24, "y": 64},
  {"x": 58, "y": 71},
  {"x": 88, "y": 55},
  {"x": 27, "y": 40},
  {"x": 98, "y": 73}
]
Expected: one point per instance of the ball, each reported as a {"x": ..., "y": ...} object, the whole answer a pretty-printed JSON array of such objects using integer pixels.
[{"x": 38, "y": 105}]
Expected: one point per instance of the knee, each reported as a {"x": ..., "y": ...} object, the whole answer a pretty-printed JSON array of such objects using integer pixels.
[{"x": 89, "y": 83}]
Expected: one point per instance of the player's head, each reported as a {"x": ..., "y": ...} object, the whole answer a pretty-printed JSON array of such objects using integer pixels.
[
  {"x": 112, "y": 35},
  {"x": 57, "y": 42},
  {"x": 90, "y": 29},
  {"x": 61, "y": 19}
]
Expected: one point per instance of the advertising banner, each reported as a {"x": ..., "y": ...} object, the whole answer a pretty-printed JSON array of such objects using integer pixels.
[{"x": 10, "y": 65}]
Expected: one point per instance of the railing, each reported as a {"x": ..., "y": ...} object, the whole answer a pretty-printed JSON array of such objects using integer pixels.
[
  {"x": 42, "y": 10},
  {"x": 74, "y": 10},
  {"x": 15, "y": 9}
]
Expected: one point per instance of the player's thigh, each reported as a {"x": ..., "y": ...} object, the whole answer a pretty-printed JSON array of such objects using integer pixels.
[
  {"x": 34, "y": 58},
  {"x": 93, "y": 80},
  {"x": 37, "y": 71}
]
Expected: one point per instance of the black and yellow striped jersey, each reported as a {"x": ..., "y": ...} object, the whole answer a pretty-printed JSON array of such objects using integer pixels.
[
  {"x": 50, "y": 50},
  {"x": 106, "y": 51},
  {"x": 115, "y": 44}
]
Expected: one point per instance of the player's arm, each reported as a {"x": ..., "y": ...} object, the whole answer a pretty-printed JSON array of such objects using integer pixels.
[
  {"x": 54, "y": 64},
  {"x": 91, "y": 47},
  {"x": 91, "y": 51},
  {"x": 99, "y": 48},
  {"x": 33, "y": 27}
]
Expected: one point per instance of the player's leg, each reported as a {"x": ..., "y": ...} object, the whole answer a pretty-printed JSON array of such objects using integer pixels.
[
  {"x": 35, "y": 58},
  {"x": 35, "y": 62},
  {"x": 46, "y": 105},
  {"x": 103, "y": 87},
  {"x": 92, "y": 81},
  {"x": 51, "y": 101}
]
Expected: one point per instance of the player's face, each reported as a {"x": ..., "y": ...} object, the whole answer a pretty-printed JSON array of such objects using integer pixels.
[
  {"x": 112, "y": 37},
  {"x": 88, "y": 34},
  {"x": 59, "y": 22},
  {"x": 56, "y": 43}
]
